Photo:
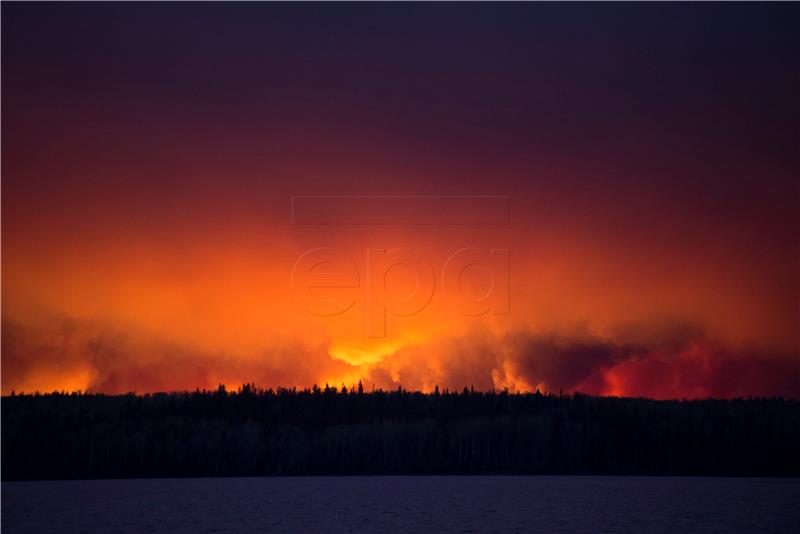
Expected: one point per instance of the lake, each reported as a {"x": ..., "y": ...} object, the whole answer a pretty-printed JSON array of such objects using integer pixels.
[{"x": 415, "y": 503}]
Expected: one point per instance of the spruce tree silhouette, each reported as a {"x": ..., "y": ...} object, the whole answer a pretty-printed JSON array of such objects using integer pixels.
[{"x": 254, "y": 431}]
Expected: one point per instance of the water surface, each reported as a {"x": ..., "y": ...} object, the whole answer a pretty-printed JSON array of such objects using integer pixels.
[{"x": 419, "y": 503}]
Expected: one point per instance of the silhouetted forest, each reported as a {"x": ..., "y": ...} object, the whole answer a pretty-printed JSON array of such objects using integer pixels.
[{"x": 340, "y": 431}]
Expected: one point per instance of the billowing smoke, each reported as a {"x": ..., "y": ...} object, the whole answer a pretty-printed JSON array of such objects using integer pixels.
[{"x": 671, "y": 361}]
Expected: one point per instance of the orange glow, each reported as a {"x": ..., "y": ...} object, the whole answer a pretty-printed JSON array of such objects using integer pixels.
[
  {"x": 149, "y": 237},
  {"x": 127, "y": 317}
]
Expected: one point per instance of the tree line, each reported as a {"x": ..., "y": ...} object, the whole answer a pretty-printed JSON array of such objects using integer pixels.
[{"x": 329, "y": 430}]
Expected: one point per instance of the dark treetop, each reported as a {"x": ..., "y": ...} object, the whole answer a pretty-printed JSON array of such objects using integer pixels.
[{"x": 330, "y": 431}]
